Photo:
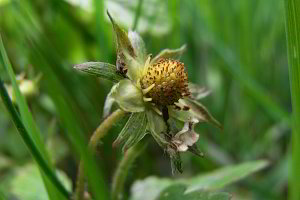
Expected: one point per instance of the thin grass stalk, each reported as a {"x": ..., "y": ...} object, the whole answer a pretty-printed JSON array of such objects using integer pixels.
[
  {"x": 138, "y": 12},
  {"x": 292, "y": 19}
]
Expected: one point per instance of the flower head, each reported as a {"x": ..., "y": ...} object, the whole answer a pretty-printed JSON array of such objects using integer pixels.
[
  {"x": 168, "y": 81},
  {"x": 156, "y": 93}
]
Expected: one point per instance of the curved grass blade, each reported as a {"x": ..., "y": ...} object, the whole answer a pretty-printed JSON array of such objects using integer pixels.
[
  {"x": 30, "y": 133},
  {"x": 100, "y": 69},
  {"x": 29, "y": 142},
  {"x": 63, "y": 101}
]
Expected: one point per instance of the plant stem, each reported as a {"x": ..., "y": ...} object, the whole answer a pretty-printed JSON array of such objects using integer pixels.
[
  {"x": 99, "y": 133},
  {"x": 122, "y": 170},
  {"x": 292, "y": 17}
]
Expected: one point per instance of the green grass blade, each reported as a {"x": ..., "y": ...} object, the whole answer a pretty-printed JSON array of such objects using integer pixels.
[
  {"x": 30, "y": 125},
  {"x": 27, "y": 138},
  {"x": 66, "y": 113},
  {"x": 292, "y": 17},
  {"x": 137, "y": 14},
  {"x": 236, "y": 68}
]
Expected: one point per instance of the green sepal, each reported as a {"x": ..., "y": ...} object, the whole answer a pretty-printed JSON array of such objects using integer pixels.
[
  {"x": 157, "y": 127},
  {"x": 198, "y": 92},
  {"x": 175, "y": 160},
  {"x": 128, "y": 96},
  {"x": 138, "y": 45},
  {"x": 100, "y": 69},
  {"x": 201, "y": 112},
  {"x": 133, "y": 131},
  {"x": 169, "y": 54},
  {"x": 131, "y": 51},
  {"x": 196, "y": 111}
]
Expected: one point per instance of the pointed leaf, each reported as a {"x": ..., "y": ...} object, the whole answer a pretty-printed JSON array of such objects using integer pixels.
[
  {"x": 128, "y": 96},
  {"x": 100, "y": 69},
  {"x": 169, "y": 54},
  {"x": 151, "y": 187},
  {"x": 225, "y": 176}
]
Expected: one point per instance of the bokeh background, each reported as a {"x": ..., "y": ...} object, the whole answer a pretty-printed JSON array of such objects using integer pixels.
[{"x": 237, "y": 49}]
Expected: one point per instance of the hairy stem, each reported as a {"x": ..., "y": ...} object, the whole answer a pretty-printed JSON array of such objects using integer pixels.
[
  {"x": 122, "y": 170},
  {"x": 99, "y": 133}
]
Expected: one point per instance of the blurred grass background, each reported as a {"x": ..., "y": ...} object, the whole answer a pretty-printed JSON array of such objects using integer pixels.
[{"x": 235, "y": 48}]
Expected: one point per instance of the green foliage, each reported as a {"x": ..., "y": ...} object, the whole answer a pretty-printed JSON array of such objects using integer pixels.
[
  {"x": 177, "y": 192},
  {"x": 26, "y": 183},
  {"x": 211, "y": 181}
]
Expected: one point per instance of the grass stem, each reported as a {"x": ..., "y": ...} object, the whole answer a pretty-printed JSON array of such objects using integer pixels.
[
  {"x": 137, "y": 14},
  {"x": 292, "y": 17}
]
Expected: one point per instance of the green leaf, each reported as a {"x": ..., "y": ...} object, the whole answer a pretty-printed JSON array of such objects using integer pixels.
[
  {"x": 169, "y": 54},
  {"x": 224, "y": 176},
  {"x": 178, "y": 192},
  {"x": 26, "y": 183},
  {"x": 151, "y": 187},
  {"x": 133, "y": 131},
  {"x": 100, "y": 69},
  {"x": 32, "y": 138}
]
